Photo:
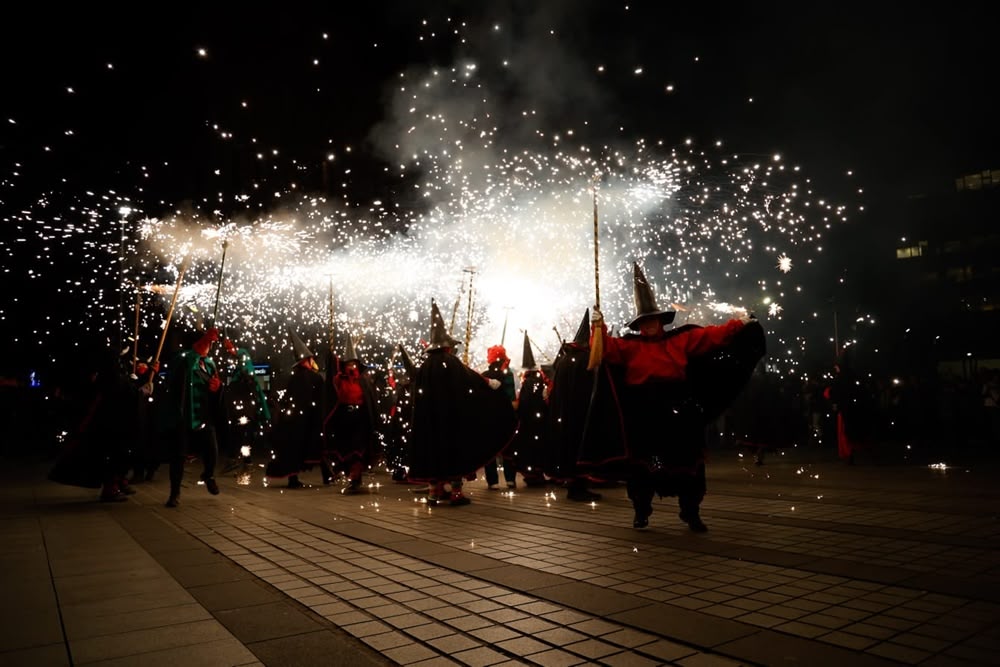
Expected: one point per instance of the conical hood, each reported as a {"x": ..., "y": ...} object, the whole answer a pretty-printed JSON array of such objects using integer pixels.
[
  {"x": 299, "y": 349},
  {"x": 408, "y": 365},
  {"x": 527, "y": 356},
  {"x": 645, "y": 302},
  {"x": 350, "y": 354},
  {"x": 439, "y": 337},
  {"x": 583, "y": 332}
]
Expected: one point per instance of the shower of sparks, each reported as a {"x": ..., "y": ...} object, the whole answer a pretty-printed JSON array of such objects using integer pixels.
[{"x": 708, "y": 225}]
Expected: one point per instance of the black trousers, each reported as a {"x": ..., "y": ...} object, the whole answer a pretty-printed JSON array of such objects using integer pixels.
[
  {"x": 689, "y": 487},
  {"x": 200, "y": 441}
]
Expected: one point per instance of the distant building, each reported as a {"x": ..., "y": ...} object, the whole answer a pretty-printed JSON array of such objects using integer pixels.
[{"x": 948, "y": 274}]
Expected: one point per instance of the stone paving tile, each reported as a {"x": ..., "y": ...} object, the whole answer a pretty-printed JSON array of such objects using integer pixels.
[{"x": 813, "y": 593}]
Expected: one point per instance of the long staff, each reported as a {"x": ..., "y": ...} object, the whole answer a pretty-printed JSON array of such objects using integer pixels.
[
  {"x": 597, "y": 342},
  {"x": 135, "y": 333},
  {"x": 166, "y": 325},
  {"x": 468, "y": 321},
  {"x": 218, "y": 288}
]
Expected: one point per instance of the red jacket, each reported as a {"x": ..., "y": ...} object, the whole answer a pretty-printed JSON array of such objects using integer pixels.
[{"x": 659, "y": 358}]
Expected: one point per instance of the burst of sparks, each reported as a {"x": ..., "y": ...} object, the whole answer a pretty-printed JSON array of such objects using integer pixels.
[{"x": 701, "y": 219}]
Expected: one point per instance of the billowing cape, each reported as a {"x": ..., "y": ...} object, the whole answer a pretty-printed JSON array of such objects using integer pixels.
[
  {"x": 351, "y": 435},
  {"x": 297, "y": 435},
  {"x": 673, "y": 414},
  {"x": 459, "y": 422},
  {"x": 570, "y": 402}
]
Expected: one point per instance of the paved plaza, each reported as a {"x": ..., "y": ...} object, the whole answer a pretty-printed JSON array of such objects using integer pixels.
[{"x": 807, "y": 562}]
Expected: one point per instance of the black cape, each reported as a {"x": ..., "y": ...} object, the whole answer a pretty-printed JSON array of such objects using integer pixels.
[
  {"x": 663, "y": 424},
  {"x": 459, "y": 422}
]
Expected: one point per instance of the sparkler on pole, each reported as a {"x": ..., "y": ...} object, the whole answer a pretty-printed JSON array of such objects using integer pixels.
[
  {"x": 558, "y": 337},
  {"x": 597, "y": 345},
  {"x": 471, "y": 270},
  {"x": 454, "y": 311},
  {"x": 503, "y": 334},
  {"x": 218, "y": 288},
  {"x": 166, "y": 325}
]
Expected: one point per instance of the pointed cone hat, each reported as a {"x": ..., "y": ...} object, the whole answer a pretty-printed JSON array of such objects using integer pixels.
[
  {"x": 299, "y": 349},
  {"x": 645, "y": 302},
  {"x": 439, "y": 337},
  {"x": 583, "y": 331},
  {"x": 408, "y": 365},
  {"x": 527, "y": 356},
  {"x": 350, "y": 354}
]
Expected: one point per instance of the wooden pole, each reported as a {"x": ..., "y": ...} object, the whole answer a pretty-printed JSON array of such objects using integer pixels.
[
  {"x": 468, "y": 321},
  {"x": 218, "y": 288},
  {"x": 597, "y": 342},
  {"x": 170, "y": 315}
]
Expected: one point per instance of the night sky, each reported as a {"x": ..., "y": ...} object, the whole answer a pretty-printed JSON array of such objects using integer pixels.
[{"x": 125, "y": 108}]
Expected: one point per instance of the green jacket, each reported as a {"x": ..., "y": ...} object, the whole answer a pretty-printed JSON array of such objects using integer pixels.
[{"x": 194, "y": 405}]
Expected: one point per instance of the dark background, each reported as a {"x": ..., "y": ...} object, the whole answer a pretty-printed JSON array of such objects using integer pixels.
[{"x": 904, "y": 99}]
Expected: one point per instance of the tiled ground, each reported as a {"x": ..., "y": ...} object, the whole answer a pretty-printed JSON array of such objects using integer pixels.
[{"x": 806, "y": 562}]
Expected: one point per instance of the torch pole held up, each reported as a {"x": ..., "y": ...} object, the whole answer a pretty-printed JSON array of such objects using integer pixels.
[
  {"x": 597, "y": 343},
  {"x": 218, "y": 288},
  {"x": 170, "y": 315}
]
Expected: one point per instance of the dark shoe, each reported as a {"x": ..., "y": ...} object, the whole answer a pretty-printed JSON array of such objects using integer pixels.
[
  {"x": 115, "y": 497},
  {"x": 173, "y": 501},
  {"x": 294, "y": 482},
  {"x": 641, "y": 519},
  {"x": 352, "y": 488},
  {"x": 212, "y": 486},
  {"x": 457, "y": 499},
  {"x": 149, "y": 475},
  {"x": 694, "y": 522},
  {"x": 126, "y": 489},
  {"x": 582, "y": 495}
]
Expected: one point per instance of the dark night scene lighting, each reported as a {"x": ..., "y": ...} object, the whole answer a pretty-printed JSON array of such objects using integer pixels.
[{"x": 356, "y": 166}]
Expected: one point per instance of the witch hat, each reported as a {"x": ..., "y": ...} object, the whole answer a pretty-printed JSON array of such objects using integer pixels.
[
  {"x": 350, "y": 354},
  {"x": 527, "y": 356},
  {"x": 299, "y": 349},
  {"x": 439, "y": 337},
  {"x": 645, "y": 302},
  {"x": 408, "y": 365},
  {"x": 583, "y": 331}
]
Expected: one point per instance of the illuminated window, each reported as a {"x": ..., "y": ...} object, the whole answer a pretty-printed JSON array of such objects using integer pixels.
[{"x": 911, "y": 251}]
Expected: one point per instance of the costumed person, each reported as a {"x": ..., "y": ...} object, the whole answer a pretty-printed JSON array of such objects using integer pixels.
[
  {"x": 854, "y": 404},
  {"x": 569, "y": 400},
  {"x": 193, "y": 392},
  {"x": 499, "y": 369},
  {"x": 146, "y": 454},
  {"x": 529, "y": 446},
  {"x": 97, "y": 453},
  {"x": 350, "y": 424},
  {"x": 246, "y": 414},
  {"x": 397, "y": 419},
  {"x": 297, "y": 434},
  {"x": 460, "y": 420},
  {"x": 665, "y": 403}
]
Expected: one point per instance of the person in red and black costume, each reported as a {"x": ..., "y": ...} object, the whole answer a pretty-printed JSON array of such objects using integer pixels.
[
  {"x": 663, "y": 410},
  {"x": 499, "y": 370},
  {"x": 351, "y": 422}
]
